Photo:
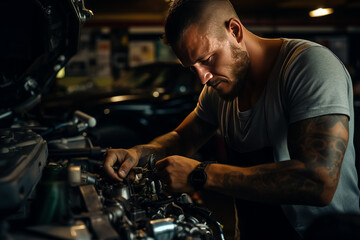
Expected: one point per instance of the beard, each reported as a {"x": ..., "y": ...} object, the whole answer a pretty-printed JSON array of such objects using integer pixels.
[{"x": 239, "y": 70}]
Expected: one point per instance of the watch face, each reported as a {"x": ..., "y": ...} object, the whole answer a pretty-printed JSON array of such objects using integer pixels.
[{"x": 197, "y": 179}]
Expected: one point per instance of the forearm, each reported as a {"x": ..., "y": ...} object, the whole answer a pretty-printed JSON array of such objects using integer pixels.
[
  {"x": 185, "y": 140},
  {"x": 288, "y": 182},
  {"x": 168, "y": 144}
]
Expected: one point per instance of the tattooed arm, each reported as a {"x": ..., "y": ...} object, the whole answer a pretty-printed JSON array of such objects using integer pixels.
[{"x": 317, "y": 147}]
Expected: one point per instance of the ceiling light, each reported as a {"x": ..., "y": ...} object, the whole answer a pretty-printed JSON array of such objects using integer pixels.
[{"x": 321, "y": 12}]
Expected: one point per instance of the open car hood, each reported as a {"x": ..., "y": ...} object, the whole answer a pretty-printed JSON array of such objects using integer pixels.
[{"x": 38, "y": 37}]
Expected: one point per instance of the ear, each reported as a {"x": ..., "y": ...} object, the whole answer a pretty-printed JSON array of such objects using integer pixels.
[{"x": 234, "y": 28}]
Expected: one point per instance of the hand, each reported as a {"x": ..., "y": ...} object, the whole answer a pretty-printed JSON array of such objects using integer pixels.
[
  {"x": 127, "y": 158},
  {"x": 174, "y": 172}
]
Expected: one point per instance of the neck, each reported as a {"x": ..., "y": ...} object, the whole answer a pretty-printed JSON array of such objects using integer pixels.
[{"x": 263, "y": 54}]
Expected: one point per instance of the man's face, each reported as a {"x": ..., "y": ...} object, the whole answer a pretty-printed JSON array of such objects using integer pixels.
[{"x": 221, "y": 64}]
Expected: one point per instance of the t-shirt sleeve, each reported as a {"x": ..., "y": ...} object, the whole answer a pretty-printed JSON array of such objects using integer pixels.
[
  {"x": 316, "y": 84},
  {"x": 206, "y": 107}
]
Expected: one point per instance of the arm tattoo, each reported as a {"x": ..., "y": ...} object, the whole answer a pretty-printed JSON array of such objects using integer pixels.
[
  {"x": 319, "y": 142},
  {"x": 317, "y": 147}
]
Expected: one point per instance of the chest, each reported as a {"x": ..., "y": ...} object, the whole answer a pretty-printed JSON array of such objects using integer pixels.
[{"x": 264, "y": 125}]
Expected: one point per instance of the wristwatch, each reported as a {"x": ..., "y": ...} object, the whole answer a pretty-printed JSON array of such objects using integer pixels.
[{"x": 198, "y": 176}]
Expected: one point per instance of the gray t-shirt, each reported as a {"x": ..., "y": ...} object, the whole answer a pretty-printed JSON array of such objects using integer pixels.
[{"x": 307, "y": 81}]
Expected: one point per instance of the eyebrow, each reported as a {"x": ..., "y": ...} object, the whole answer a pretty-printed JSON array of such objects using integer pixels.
[{"x": 198, "y": 60}]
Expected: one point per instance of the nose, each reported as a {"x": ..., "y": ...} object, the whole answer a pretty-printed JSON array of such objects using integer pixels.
[
  {"x": 204, "y": 74},
  {"x": 206, "y": 78}
]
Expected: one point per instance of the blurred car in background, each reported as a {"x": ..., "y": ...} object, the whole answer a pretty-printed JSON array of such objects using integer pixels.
[{"x": 147, "y": 101}]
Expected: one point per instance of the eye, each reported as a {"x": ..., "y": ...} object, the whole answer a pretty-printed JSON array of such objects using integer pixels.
[
  {"x": 207, "y": 61},
  {"x": 192, "y": 69}
]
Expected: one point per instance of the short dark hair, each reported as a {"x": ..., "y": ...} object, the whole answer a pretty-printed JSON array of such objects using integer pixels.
[{"x": 183, "y": 13}]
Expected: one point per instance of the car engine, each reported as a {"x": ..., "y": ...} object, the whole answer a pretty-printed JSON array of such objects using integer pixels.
[{"x": 56, "y": 188}]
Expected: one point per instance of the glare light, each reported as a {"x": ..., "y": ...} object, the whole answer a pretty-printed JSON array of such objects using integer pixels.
[
  {"x": 61, "y": 73},
  {"x": 156, "y": 94},
  {"x": 106, "y": 111},
  {"x": 117, "y": 98},
  {"x": 321, "y": 12}
]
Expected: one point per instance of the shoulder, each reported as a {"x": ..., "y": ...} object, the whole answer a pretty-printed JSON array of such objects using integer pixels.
[
  {"x": 295, "y": 47},
  {"x": 299, "y": 53},
  {"x": 208, "y": 94},
  {"x": 311, "y": 62},
  {"x": 313, "y": 81},
  {"x": 207, "y": 105}
]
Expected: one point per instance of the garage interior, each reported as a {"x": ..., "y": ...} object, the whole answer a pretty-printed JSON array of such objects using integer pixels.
[{"x": 123, "y": 76}]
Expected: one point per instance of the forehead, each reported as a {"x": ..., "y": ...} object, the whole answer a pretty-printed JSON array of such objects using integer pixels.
[{"x": 193, "y": 44}]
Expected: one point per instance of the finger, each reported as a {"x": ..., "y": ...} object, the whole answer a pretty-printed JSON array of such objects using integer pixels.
[
  {"x": 165, "y": 187},
  {"x": 126, "y": 166},
  {"x": 161, "y": 164},
  {"x": 164, "y": 177},
  {"x": 166, "y": 184},
  {"x": 110, "y": 160},
  {"x": 131, "y": 176}
]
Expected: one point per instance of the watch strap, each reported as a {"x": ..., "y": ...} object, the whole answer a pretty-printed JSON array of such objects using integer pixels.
[
  {"x": 203, "y": 165},
  {"x": 198, "y": 176}
]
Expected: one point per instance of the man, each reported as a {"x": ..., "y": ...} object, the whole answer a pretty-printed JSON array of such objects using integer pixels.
[{"x": 285, "y": 110}]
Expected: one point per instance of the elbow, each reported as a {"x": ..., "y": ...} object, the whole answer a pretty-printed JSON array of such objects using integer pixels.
[
  {"x": 320, "y": 200},
  {"x": 323, "y": 188},
  {"x": 325, "y": 197},
  {"x": 325, "y": 200},
  {"x": 318, "y": 192},
  {"x": 328, "y": 195}
]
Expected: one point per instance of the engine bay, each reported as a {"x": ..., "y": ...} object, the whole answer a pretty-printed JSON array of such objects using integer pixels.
[{"x": 57, "y": 189}]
